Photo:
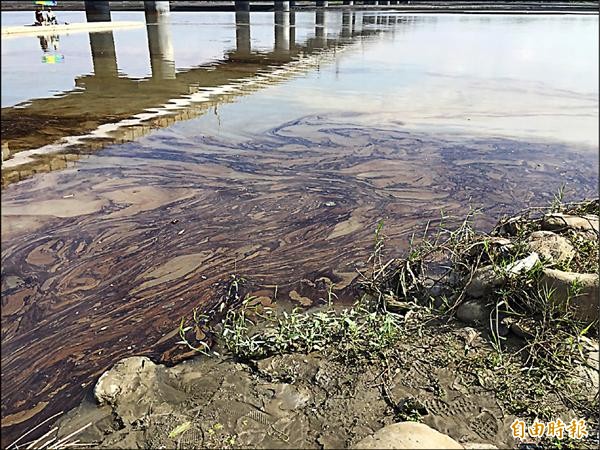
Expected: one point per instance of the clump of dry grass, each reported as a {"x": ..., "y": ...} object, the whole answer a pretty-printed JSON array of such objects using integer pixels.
[{"x": 49, "y": 440}]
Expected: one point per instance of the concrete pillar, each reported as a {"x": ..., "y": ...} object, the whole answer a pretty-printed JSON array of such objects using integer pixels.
[
  {"x": 242, "y": 5},
  {"x": 322, "y": 3},
  {"x": 282, "y": 31},
  {"x": 155, "y": 9},
  {"x": 104, "y": 56},
  {"x": 159, "y": 7},
  {"x": 383, "y": 2},
  {"x": 242, "y": 32},
  {"x": 282, "y": 6},
  {"x": 162, "y": 56},
  {"x": 348, "y": 2},
  {"x": 97, "y": 11}
]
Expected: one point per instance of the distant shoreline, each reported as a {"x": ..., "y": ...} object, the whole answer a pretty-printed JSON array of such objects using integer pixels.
[{"x": 414, "y": 6}]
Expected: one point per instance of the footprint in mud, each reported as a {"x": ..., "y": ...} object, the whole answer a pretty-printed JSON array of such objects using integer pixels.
[
  {"x": 441, "y": 408},
  {"x": 260, "y": 417},
  {"x": 485, "y": 425},
  {"x": 417, "y": 376}
]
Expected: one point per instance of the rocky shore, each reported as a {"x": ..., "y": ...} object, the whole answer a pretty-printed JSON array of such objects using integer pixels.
[{"x": 447, "y": 348}]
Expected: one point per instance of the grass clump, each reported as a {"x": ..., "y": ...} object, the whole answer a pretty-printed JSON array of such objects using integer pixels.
[{"x": 357, "y": 331}]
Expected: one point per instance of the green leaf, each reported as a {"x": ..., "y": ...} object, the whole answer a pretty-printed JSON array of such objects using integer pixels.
[{"x": 180, "y": 429}]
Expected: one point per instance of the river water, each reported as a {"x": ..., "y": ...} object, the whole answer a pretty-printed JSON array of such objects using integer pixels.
[{"x": 147, "y": 165}]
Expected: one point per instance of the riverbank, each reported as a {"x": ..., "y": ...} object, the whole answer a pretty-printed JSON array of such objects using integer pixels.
[
  {"x": 468, "y": 334},
  {"x": 412, "y": 6}
]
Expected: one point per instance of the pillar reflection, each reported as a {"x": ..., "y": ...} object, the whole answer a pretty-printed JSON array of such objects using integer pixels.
[
  {"x": 160, "y": 46},
  {"x": 320, "y": 27},
  {"x": 282, "y": 31},
  {"x": 242, "y": 32},
  {"x": 104, "y": 56}
]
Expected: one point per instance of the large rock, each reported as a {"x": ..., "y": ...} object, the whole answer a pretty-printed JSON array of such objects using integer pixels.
[
  {"x": 551, "y": 246},
  {"x": 588, "y": 371},
  {"x": 559, "y": 221},
  {"x": 409, "y": 435},
  {"x": 576, "y": 291},
  {"x": 135, "y": 386},
  {"x": 472, "y": 311},
  {"x": 523, "y": 265},
  {"x": 485, "y": 280}
]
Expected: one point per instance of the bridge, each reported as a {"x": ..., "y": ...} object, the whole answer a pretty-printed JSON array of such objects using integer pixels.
[{"x": 100, "y": 10}]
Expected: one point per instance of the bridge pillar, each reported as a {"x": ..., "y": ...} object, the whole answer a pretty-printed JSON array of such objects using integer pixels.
[
  {"x": 153, "y": 10},
  {"x": 97, "y": 11},
  {"x": 282, "y": 6},
  {"x": 348, "y": 2},
  {"x": 322, "y": 3},
  {"x": 159, "y": 7},
  {"x": 383, "y": 2},
  {"x": 242, "y": 6}
]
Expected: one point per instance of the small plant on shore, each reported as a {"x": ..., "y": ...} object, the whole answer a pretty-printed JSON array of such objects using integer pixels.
[{"x": 357, "y": 331}]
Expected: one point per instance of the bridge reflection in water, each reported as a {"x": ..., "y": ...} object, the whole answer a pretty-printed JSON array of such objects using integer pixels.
[{"x": 105, "y": 107}]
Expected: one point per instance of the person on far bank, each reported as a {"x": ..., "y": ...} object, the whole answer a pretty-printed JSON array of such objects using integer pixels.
[
  {"x": 39, "y": 16},
  {"x": 51, "y": 17}
]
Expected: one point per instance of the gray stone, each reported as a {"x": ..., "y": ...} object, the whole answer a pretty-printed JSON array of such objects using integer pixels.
[
  {"x": 551, "y": 246},
  {"x": 523, "y": 265},
  {"x": 485, "y": 280},
  {"x": 492, "y": 242},
  {"x": 524, "y": 328},
  {"x": 472, "y": 311},
  {"x": 136, "y": 386},
  {"x": 588, "y": 371},
  {"x": 410, "y": 435},
  {"x": 559, "y": 221},
  {"x": 512, "y": 226},
  {"x": 583, "y": 305}
]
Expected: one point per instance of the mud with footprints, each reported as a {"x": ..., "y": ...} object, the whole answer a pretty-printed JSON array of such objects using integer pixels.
[{"x": 303, "y": 401}]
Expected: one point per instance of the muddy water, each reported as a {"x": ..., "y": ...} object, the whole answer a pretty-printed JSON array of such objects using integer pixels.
[{"x": 270, "y": 160}]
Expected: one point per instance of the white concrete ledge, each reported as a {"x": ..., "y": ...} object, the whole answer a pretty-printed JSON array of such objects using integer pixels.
[{"x": 30, "y": 30}]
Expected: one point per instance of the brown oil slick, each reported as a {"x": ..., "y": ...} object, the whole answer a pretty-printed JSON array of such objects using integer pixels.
[
  {"x": 100, "y": 262},
  {"x": 116, "y": 238}
]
